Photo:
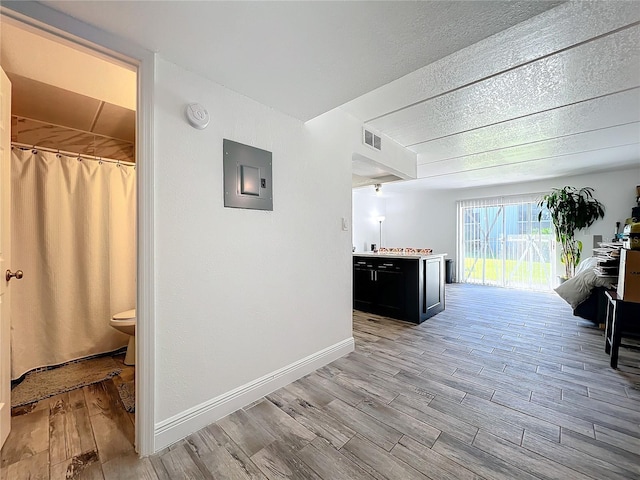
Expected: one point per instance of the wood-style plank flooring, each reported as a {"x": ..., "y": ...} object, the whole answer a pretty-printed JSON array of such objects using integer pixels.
[
  {"x": 501, "y": 385},
  {"x": 70, "y": 435}
]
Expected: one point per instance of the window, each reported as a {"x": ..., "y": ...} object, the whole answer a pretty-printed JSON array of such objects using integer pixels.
[{"x": 501, "y": 243}]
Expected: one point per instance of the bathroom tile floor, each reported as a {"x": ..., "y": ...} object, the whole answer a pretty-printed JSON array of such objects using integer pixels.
[{"x": 70, "y": 436}]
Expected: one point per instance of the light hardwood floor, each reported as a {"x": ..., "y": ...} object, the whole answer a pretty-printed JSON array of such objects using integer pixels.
[{"x": 501, "y": 385}]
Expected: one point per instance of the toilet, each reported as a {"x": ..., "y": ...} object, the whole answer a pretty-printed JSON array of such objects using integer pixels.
[{"x": 126, "y": 323}]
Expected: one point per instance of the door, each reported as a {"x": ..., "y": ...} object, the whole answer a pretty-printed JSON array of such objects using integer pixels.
[
  {"x": 5, "y": 252},
  {"x": 502, "y": 243},
  {"x": 434, "y": 286},
  {"x": 391, "y": 289},
  {"x": 363, "y": 286}
]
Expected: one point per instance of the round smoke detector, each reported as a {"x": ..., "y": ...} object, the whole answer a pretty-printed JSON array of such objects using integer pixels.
[{"x": 198, "y": 116}]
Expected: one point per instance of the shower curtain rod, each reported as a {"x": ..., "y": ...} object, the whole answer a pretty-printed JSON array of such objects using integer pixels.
[{"x": 25, "y": 146}]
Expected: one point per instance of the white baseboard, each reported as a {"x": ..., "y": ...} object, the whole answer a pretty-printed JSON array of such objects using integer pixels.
[{"x": 179, "y": 426}]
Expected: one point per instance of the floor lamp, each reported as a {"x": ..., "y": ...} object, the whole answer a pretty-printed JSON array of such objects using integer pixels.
[{"x": 380, "y": 220}]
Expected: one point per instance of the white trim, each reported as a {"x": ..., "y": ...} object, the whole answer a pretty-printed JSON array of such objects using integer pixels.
[
  {"x": 53, "y": 22},
  {"x": 145, "y": 304},
  {"x": 179, "y": 426}
]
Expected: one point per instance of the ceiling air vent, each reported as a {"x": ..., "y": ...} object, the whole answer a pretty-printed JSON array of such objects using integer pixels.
[{"x": 371, "y": 139}]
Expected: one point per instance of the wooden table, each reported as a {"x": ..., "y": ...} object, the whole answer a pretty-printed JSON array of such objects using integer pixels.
[{"x": 621, "y": 317}]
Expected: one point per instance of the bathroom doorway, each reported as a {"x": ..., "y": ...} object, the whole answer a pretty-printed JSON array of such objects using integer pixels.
[{"x": 64, "y": 126}]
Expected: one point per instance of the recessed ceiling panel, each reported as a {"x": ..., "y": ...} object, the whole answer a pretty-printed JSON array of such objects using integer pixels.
[
  {"x": 358, "y": 181},
  {"x": 572, "y": 145},
  {"x": 616, "y": 158},
  {"x": 366, "y": 171},
  {"x": 362, "y": 167},
  {"x": 603, "y": 112},
  {"x": 604, "y": 66}
]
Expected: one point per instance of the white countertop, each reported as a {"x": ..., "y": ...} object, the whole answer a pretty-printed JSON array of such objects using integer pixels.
[{"x": 397, "y": 255}]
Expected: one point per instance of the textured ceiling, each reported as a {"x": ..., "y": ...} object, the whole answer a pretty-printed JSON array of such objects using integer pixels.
[
  {"x": 556, "y": 95},
  {"x": 483, "y": 92},
  {"x": 303, "y": 58}
]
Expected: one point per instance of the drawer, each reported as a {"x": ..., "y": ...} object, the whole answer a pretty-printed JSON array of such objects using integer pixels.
[{"x": 389, "y": 265}]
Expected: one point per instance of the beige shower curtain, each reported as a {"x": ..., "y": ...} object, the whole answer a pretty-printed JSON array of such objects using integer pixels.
[{"x": 73, "y": 235}]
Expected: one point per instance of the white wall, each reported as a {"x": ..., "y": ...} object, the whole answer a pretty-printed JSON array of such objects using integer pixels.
[
  {"x": 242, "y": 294},
  {"x": 393, "y": 157},
  {"x": 415, "y": 219},
  {"x": 367, "y": 206},
  {"x": 428, "y": 218},
  {"x": 243, "y": 301}
]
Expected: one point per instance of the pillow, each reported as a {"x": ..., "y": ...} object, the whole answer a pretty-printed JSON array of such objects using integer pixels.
[
  {"x": 577, "y": 289},
  {"x": 586, "y": 264}
]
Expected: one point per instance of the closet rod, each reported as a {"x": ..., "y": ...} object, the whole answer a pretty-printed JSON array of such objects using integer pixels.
[{"x": 25, "y": 146}]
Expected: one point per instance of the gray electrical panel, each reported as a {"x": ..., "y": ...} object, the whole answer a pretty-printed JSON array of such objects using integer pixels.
[{"x": 247, "y": 176}]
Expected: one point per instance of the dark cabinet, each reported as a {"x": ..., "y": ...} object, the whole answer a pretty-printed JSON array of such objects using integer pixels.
[
  {"x": 390, "y": 289},
  {"x": 410, "y": 288},
  {"x": 434, "y": 280},
  {"x": 363, "y": 284}
]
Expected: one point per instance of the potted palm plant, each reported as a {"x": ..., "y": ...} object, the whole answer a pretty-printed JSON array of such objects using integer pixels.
[{"x": 571, "y": 210}]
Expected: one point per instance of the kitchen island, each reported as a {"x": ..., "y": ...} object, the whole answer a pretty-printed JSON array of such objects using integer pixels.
[{"x": 406, "y": 287}]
